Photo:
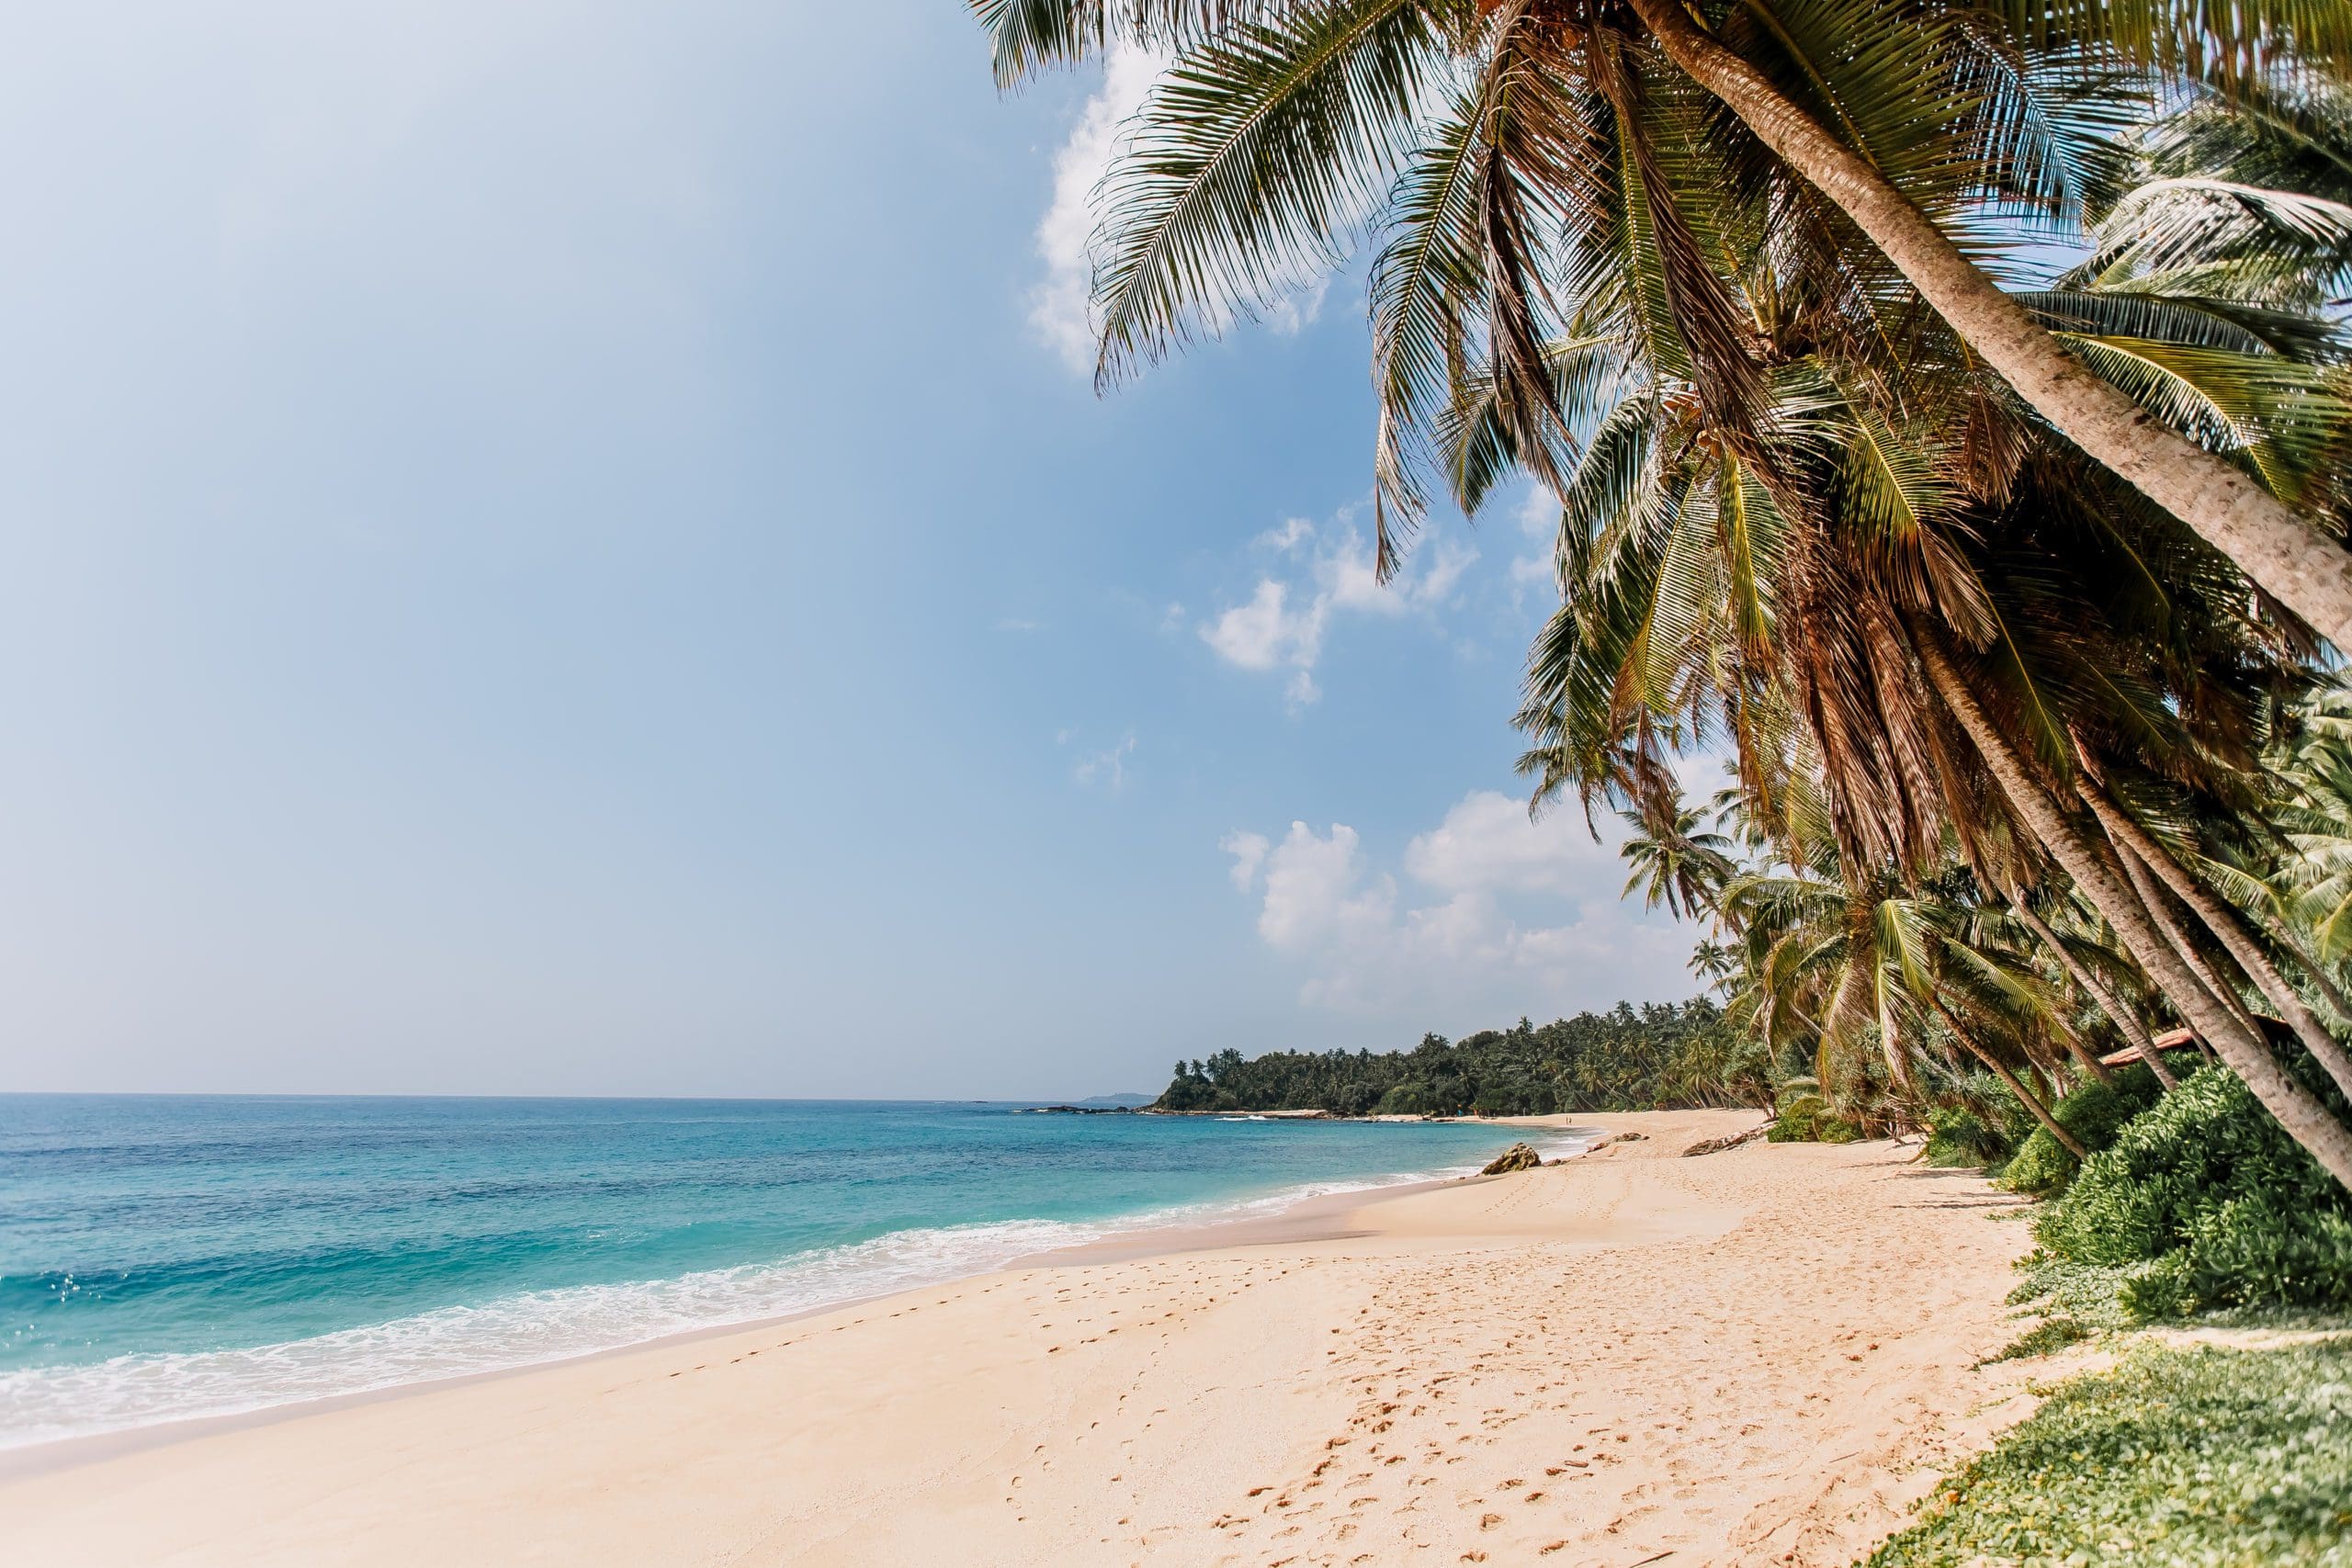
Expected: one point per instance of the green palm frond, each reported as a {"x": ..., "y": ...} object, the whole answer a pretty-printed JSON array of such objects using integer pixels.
[
  {"x": 2191, "y": 320},
  {"x": 2290, "y": 422},
  {"x": 1254, "y": 160},
  {"x": 2236, "y": 45},
  {"x": 1425, "y": 282},
  {"x": 1029, "y": 36},
  {"x": 2276, "y": 245}
]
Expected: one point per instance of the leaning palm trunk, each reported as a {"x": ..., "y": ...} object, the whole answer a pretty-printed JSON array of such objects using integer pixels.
[
  {"x": 2309, "y": 573},
  {"x": 2224, "y": 923},
  {"x": 2124, "y": 1018},
  {"x": 2144, "y": 886},
  {"x": 2298, "y": 1111},
  {"x": 2025, "y": 1097}
]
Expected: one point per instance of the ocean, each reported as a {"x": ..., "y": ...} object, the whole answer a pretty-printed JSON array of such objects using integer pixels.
[{"x": 163, "y": 1257}]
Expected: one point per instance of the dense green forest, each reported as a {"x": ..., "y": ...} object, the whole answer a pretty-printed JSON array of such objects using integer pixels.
[{"x": 1660, "y": 1056}]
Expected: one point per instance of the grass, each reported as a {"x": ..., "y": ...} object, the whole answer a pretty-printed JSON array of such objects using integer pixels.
[{"x": 2176, "y": 1456}]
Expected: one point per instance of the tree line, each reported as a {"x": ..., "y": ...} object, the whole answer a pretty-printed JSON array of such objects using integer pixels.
[{"x": 1660, "y": 1056}]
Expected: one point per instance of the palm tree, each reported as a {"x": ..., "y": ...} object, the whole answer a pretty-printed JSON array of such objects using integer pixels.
[
  {"x": 1716, "y": 963},
  {"x": 1826, "y": 646},
  {"x": 1864, "y": 126},
  {"x": 2127, "y": 907},
  {"x": 1855, "y": 960},
  {"x": 1675, "y": 862},
  {"x": 2307, "y": 571},
  {"x": 1807, "y": 517}
]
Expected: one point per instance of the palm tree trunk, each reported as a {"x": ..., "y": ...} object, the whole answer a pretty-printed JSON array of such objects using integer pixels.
[
  {"x": 2135, "y": 1033},
  {"x": 2144, "y": 887},
  {"x": 2300, "y": 1111},
  {"x": 2302, "y": 568},
  {"x": 2025, "y": 1096},
  {"x": 2224, "y": 923}
]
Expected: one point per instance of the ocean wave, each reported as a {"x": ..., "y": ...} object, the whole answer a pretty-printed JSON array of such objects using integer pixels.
[{"x": 44, "y": 1404}]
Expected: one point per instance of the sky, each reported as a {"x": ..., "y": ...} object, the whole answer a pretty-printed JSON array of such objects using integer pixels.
[{"x": 565, "y": 548}]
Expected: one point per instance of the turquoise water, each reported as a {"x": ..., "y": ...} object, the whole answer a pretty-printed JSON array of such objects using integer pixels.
[{"x": 170, "y": 1257}]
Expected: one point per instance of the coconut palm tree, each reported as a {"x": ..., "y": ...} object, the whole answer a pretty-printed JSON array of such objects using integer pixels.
[
  {"x": 1676, "y": 862},
  {"x": 1492, "y": 139},
  {"x": 1861, "y": 961},
  {"x": 1794, "y": 470},
  {"x": 1830, "y": 648}
]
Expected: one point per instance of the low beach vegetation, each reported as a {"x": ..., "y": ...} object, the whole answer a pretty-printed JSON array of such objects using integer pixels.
[
  {"x": 2095, "y": 1112},
  {"x": 2202, "y": 1203},
  {"x": 2188, "y": 1456}
]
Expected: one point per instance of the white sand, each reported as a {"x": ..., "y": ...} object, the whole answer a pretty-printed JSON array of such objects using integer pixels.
[{"x": 1751, "y": 1357}]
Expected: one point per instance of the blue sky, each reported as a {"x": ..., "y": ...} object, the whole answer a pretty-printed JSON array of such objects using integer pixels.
[{"x": 565, "y": 549}]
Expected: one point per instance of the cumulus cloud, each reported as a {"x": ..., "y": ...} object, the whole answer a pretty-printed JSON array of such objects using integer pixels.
[
  {"x": 1324, "y": 573},
  {"x": 1248, "y": 853},
  {"x": 1497, "y": 916},
  {"x": 1486, "y": 844},
  {"x": 1265, "y": 632}
]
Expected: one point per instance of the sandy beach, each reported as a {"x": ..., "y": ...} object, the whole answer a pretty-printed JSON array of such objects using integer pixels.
[{"x": 1757, "y": 1356}]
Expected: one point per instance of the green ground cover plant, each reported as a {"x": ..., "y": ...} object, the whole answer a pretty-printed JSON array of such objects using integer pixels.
[{"x": 2195, "y": 1456}]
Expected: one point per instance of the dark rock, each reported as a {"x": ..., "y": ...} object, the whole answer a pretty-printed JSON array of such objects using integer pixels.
[{"x": 1518, "y": 1156}]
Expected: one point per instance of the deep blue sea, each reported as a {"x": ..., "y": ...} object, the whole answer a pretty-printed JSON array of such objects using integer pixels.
[{"x": 168, "y": 1256}]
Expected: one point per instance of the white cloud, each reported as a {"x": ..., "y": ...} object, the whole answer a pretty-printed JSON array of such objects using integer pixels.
[
  {"x": 1528, "y": 571},
  {"x": 1296, "y": 310},
  {"x": 1488, "y": 844},
  {"x": 1444, "y": 563},
  {"x": 1057, "y": 309},
  {"x": 1248, "y": 853},
  {"x": 1109, "y": 768},
  {"x": 1520, "y": 917},
  {"x": 1295, "y": 532},
  {"x": 1265, "y": 632},
  {"x": 1281, "y": 626},
  {"x": 1312, "y": 895},
  {"x": 1539, "y": 514},
  {"x": 1016, "y": 624},
  {"x": 1539, "y": 519}
]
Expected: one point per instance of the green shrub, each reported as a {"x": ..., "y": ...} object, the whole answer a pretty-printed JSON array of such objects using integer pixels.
[
  {"x": 1957, "y": 1135},
  {"x": 1796, "y": 1122},
  {"x": 2095, "y": 1113},
  {"x": 2175, "y": 1457},
  {"x": 2207, "y": 1202},
  {"x": 1805, "y": 1118}
]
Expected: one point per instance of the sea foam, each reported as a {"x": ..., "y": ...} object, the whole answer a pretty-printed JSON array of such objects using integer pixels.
[{"x": 48, "y": 1404}]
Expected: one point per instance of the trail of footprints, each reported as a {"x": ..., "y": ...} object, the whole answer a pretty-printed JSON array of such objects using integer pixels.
[{"x": 1550, "y": 1479}]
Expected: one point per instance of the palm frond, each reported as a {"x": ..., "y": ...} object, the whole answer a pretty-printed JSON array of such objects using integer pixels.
[{"x": 1255, "y": 158}]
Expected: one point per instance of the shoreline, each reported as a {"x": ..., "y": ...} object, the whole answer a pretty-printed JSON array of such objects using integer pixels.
[
  {"x": 1764, "y": 1354},
  {"x": 1293, "y": 1222}
]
